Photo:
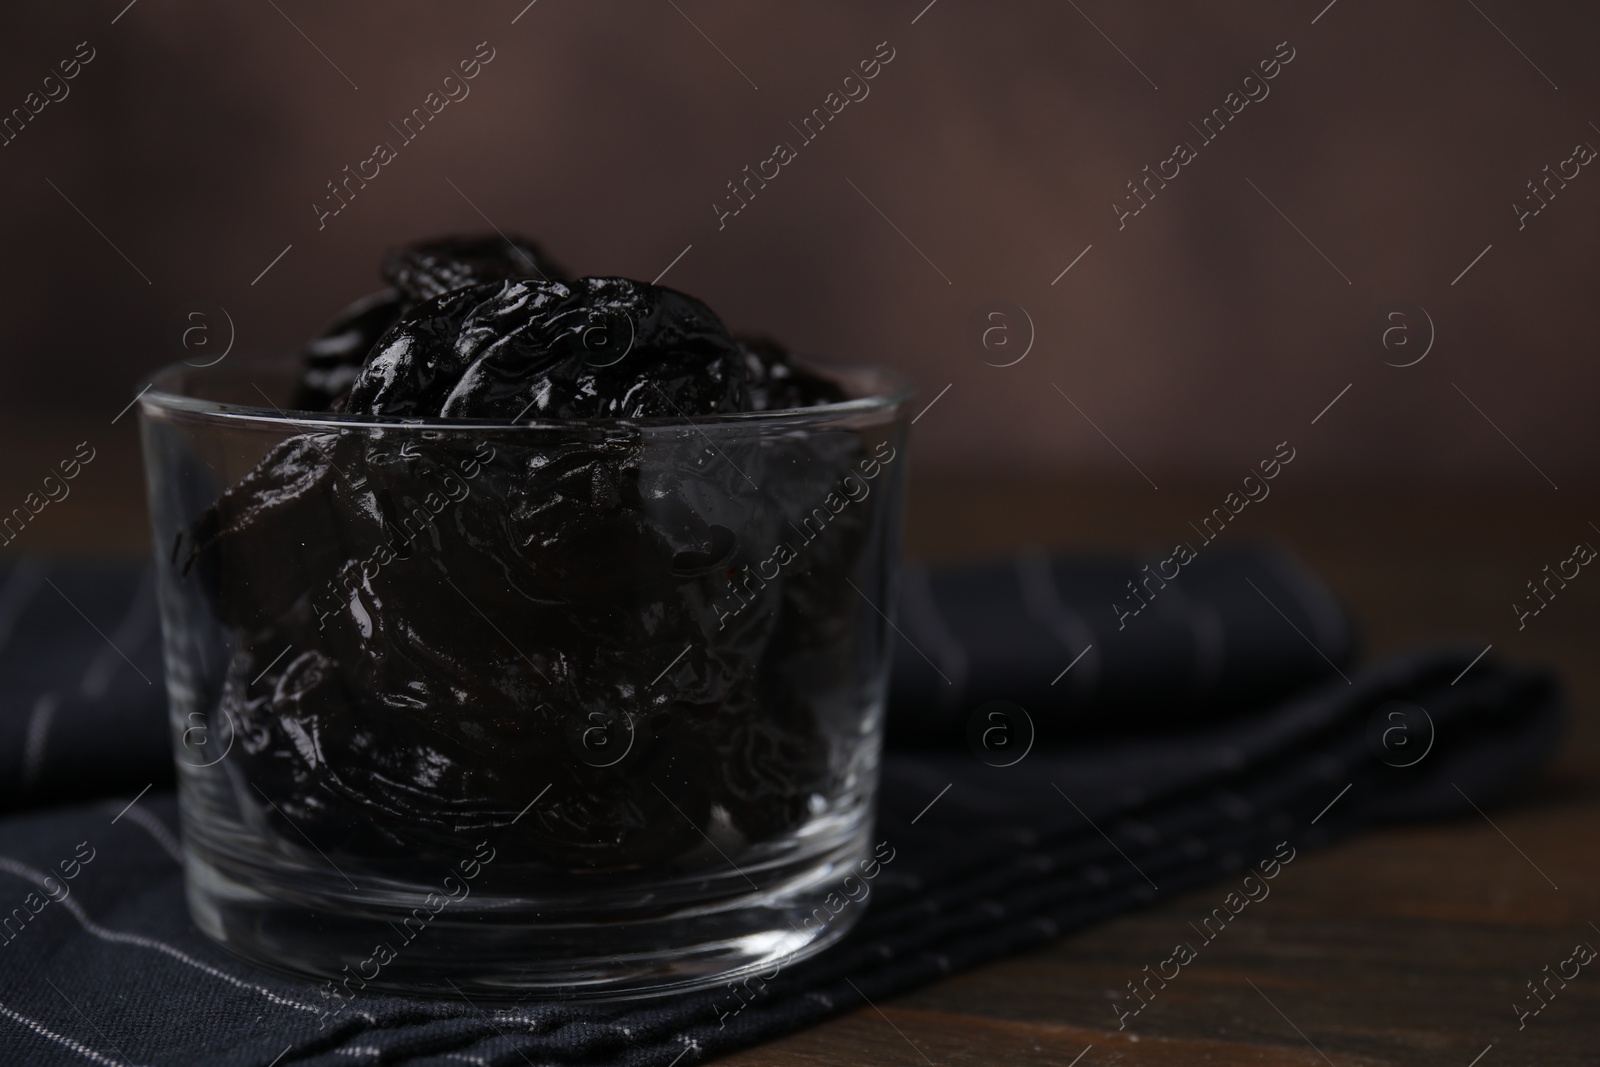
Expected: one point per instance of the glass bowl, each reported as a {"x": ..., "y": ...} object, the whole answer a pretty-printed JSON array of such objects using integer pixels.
[{"x": 574, "y": 708}]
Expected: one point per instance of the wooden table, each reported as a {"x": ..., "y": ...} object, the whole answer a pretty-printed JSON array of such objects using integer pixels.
[{"x": 1403, "y": 946}]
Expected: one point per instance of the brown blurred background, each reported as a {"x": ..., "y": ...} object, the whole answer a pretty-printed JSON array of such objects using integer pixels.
[
  {"x": 1212, "y": 327},
  {"x": 1378, "y": 177}
]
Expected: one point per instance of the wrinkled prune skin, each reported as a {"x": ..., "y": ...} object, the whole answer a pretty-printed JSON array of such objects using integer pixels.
[
  {"x": 333, "y": 357},
  {"x": 415, "y": 273},
  {"x": 597, "y": 348},
  {"x": 432, "y": 628},
  {"x": 776, "y": 382},
  {"x": 423, "y": 271}
]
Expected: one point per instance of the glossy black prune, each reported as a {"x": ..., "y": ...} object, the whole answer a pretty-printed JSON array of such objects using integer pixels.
[
  {"x": 777, "y": 383},
  {"x": 415, "y": 365},
  {"x": 597, "y": 348},
  {"x": 424, "y": 270},
  {"x": 416, "y": 273},
  {"x": 431, "y": 628},
  {"x": 333, "y": 357}
]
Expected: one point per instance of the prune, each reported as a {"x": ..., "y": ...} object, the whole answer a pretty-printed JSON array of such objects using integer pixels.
[
  {"x": 423, "y": 271},
  {"x": 416, "y": 273},
  {"x": 432, "y": 627},
  {"x": 334, "y": 356},
  {"x": 776, "y": 382},
  {"x": 598, "y": 348}
]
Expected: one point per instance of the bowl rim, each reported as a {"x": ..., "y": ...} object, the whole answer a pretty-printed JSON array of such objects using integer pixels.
[{"x": 161, "y": 395}]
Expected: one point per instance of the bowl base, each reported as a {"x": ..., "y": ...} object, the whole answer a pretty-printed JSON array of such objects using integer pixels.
[{"x": 502, "y": 947}]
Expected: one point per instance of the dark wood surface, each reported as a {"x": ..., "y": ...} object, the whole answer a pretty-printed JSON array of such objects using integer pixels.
[{"x": 1403, "y": 946}]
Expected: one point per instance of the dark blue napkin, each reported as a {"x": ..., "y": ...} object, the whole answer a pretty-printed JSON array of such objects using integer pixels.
[
  {"x": 83, "y": 708},
  {"x": 99, "y": 963}
]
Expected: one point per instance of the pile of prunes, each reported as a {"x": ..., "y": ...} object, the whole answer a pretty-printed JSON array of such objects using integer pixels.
[{"x": 525, "y": 625}]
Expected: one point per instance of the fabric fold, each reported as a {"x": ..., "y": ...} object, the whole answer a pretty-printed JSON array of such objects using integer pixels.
[
  {"x": 974, "y": 862},
  {"x": 83, "y": 707}
]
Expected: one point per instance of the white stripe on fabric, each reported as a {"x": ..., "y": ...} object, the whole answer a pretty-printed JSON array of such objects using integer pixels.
[
  {"x": 44, "y": 709},
  {"x": 156, "y": 829},
  {"x": 38, "y": 879},
  {"x": 44, "y": 1031}
]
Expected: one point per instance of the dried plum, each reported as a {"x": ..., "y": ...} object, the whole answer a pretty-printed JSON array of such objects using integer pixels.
[
  {"x": 777, "y": 383},
  {"x": 415, "y": 273},
  {"x": 334, "y": 356},
  {"x": 423, "y": 271},
  {"x": 435, "y": 626},
  {"x": 598, "y": 348}
]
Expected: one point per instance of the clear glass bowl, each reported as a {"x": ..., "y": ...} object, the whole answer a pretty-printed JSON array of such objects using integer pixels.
[{"x": 579, "y": 708}]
